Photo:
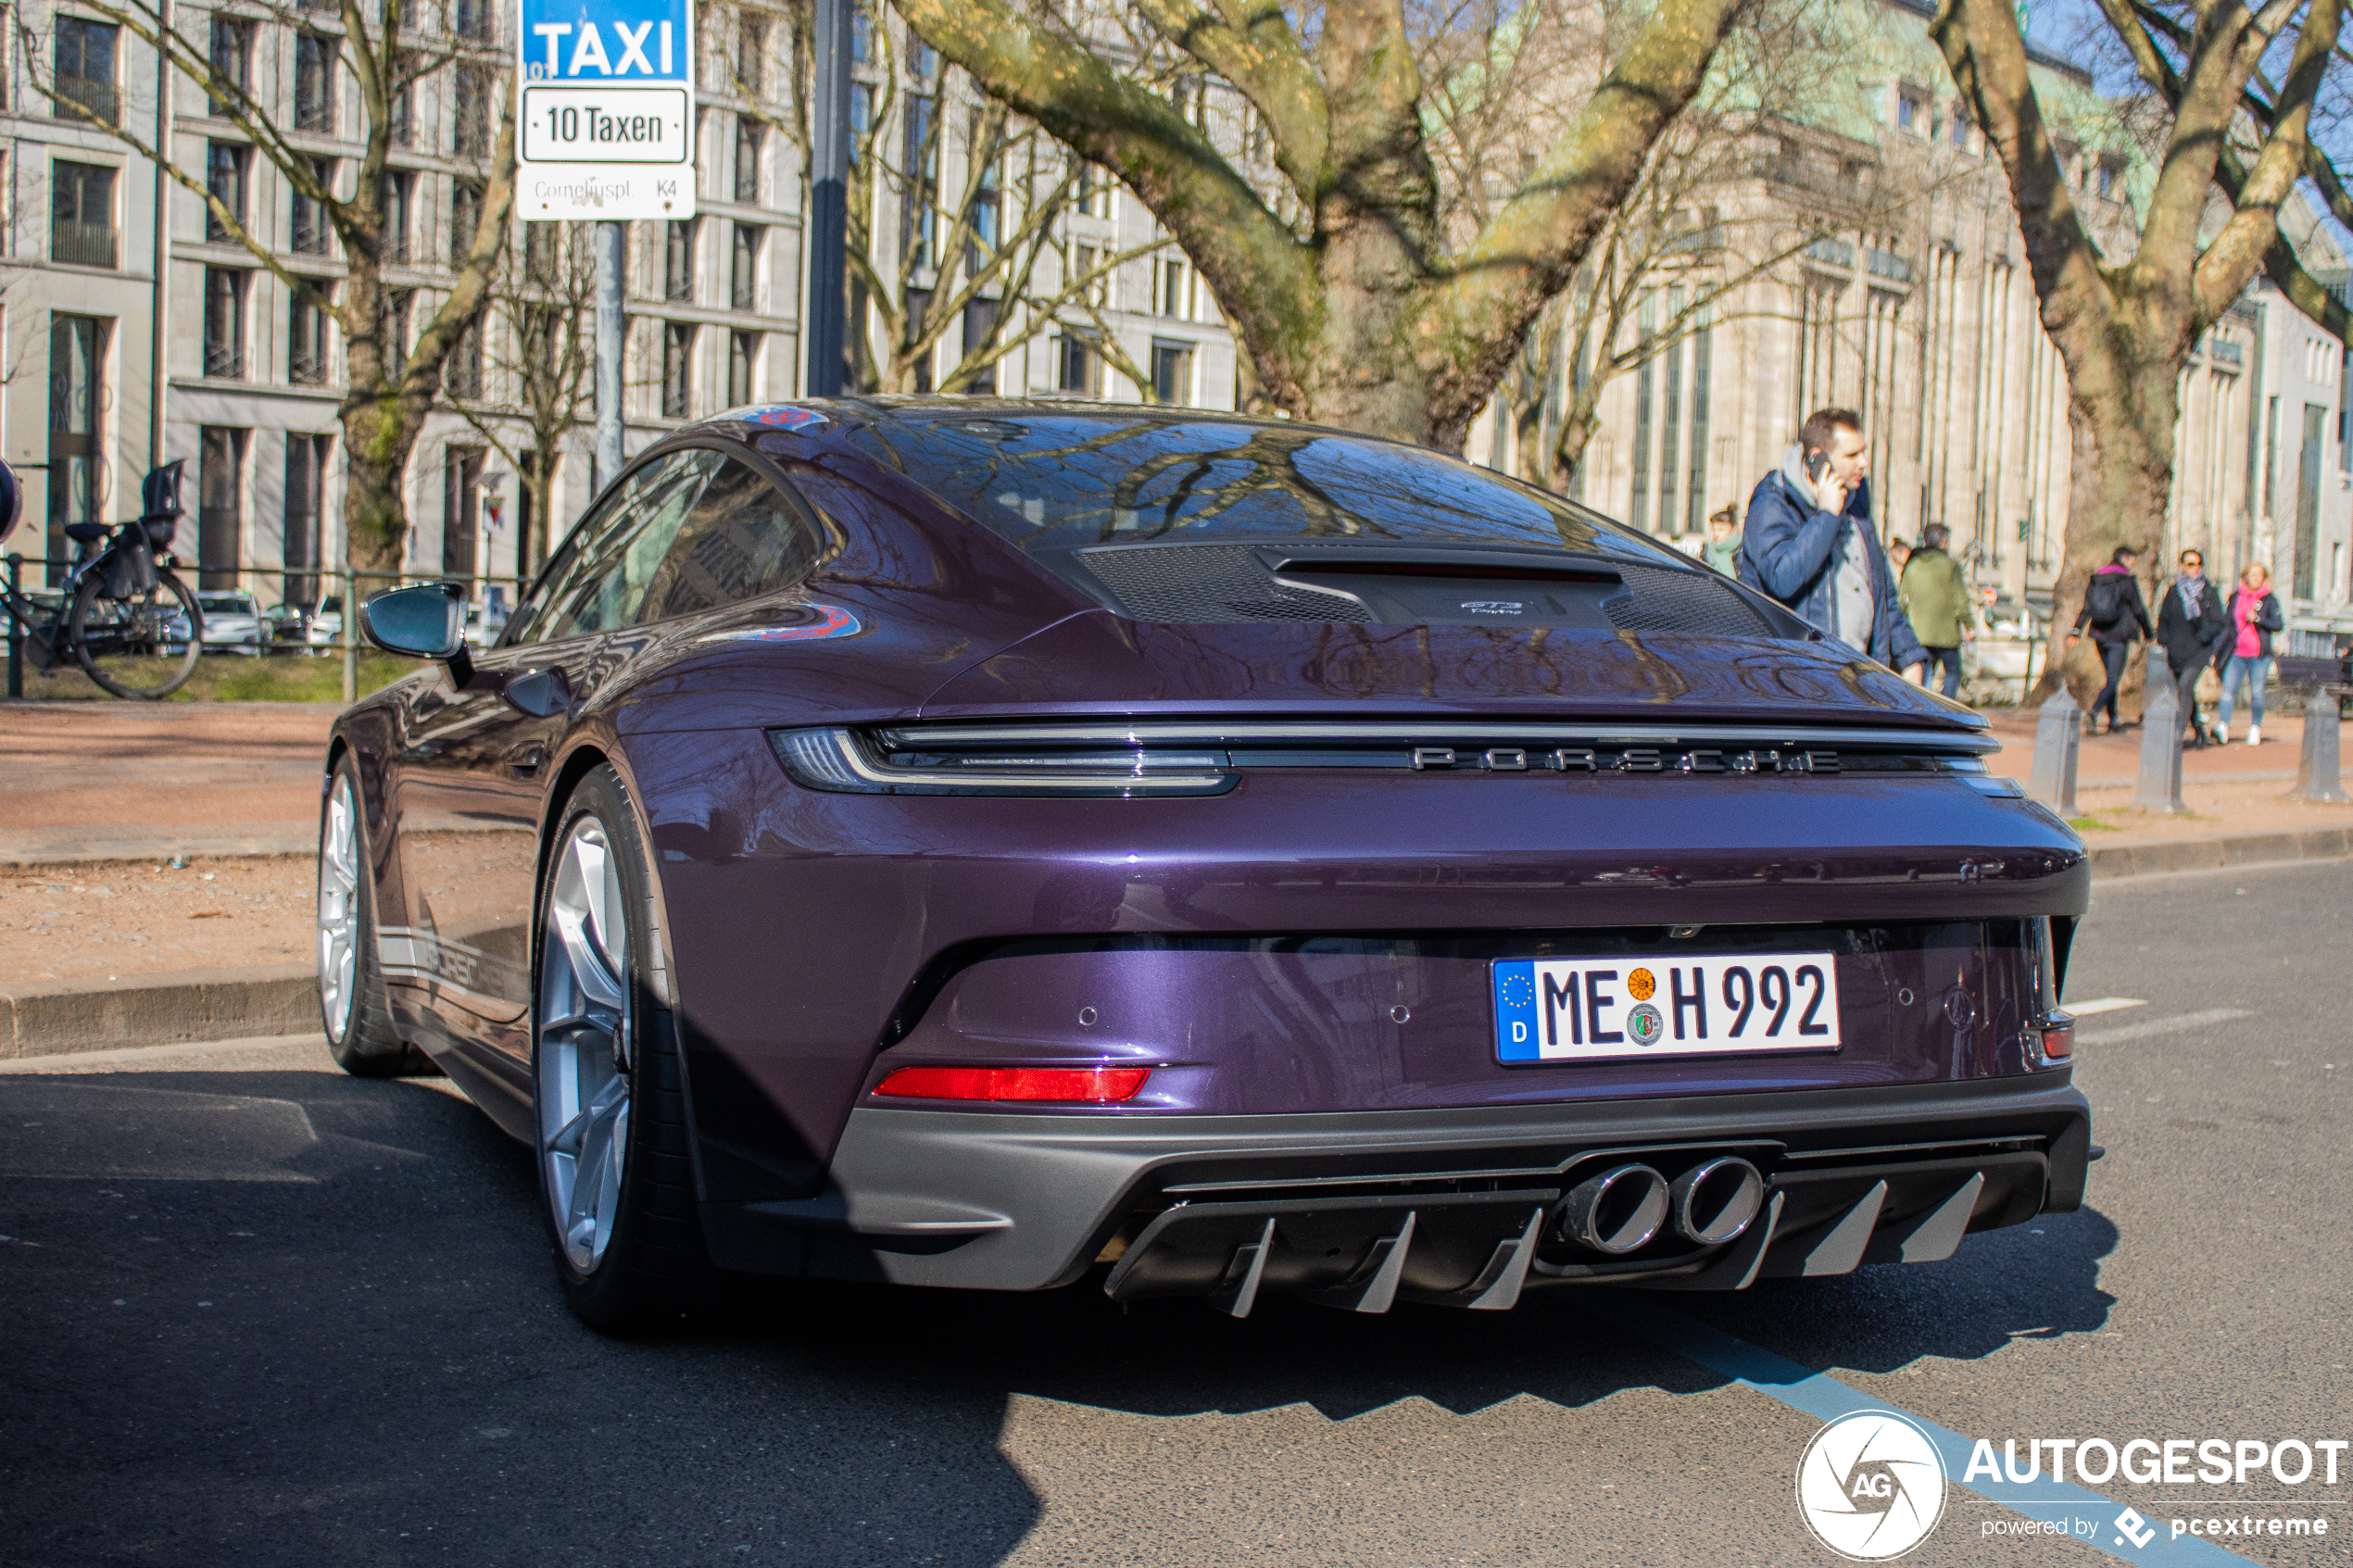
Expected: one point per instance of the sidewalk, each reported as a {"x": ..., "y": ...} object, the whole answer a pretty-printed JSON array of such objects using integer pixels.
[{"x": 109, "y": 942}]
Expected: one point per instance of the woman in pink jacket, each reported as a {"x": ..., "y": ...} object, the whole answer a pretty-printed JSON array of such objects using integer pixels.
[{"x": 2247, "y": 649}]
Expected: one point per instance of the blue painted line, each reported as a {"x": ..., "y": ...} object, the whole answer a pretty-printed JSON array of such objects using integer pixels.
[{"x": 1825, "y": 1398}]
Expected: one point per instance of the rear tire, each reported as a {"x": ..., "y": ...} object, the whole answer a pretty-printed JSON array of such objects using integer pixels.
[
  {"x": 616, "y": 1172},
  {"x": 125, "y": 645},
  {"x": 351, "y": 985}
]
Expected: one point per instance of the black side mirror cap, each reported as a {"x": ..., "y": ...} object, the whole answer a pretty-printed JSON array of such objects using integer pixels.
[{"x": 425, "y": 621}]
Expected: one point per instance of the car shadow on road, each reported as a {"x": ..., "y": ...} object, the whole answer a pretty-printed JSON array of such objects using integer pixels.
[{"x": 338, "y": 1334}]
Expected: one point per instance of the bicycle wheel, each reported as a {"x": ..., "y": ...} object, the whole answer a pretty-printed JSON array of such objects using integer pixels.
[{"x": 145, "y": 645}]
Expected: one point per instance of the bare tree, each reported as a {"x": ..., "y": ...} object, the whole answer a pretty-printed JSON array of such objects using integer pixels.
[
  {"x": 1343, "y": 282},
  {"x": 390, "y": 386},
  {"x": 2124, "y": 327},
  {"x": 539, "y": 350}
]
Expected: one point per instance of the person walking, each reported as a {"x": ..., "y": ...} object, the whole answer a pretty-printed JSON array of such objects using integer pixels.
[
  {"x": 1936, "y": 597},
  {"x": 2118, "y": 616},
  {"x": 1724, "y": 540},
  {"x": 1809, "y": 543},
  {"x": 2190, "y": 623},
  {"x": 2246, "y": 650}
]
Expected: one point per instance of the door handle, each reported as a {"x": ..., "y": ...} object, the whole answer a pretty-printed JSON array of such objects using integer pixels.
[{"x": 523, "y": 760}]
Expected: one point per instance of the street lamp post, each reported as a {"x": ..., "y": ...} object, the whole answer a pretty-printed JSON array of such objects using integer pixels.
[{"x": 828, "y": 321}]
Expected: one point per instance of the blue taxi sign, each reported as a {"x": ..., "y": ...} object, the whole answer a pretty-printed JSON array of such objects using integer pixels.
[{"x": 607, "y": 108}]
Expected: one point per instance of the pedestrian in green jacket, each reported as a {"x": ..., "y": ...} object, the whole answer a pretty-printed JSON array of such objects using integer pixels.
[{"x": 1936, "y": 596}]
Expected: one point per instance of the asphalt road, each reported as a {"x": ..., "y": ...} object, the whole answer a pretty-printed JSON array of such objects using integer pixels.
[{"x": 253, "y": 1312}]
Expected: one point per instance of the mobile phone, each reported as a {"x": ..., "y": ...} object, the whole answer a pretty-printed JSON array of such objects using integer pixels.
[{"x": 1815, "y": 464}]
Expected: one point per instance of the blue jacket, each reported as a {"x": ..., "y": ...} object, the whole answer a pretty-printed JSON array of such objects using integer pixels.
[{"x": 1790, "y": 550}]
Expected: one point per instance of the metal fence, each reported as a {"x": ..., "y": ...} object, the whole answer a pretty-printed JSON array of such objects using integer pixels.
[{"x": 325, "y": 583}]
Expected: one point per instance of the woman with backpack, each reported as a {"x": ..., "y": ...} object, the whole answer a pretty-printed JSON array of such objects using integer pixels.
[
  {"x": 2116, "y": 612},
  {"x": 2246, "y": 651}
]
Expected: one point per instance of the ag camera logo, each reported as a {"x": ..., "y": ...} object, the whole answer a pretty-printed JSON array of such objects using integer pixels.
[{"x": 1871, "y": 1486}]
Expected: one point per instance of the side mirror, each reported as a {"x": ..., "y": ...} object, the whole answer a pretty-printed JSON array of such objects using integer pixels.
[{"x": 427, "y": 620}]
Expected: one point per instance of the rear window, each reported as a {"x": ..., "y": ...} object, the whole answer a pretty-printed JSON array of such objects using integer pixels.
[{"x": 1057, "y": 481}]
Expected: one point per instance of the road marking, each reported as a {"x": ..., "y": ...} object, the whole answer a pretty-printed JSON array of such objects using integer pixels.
[
  {"x": 1825, "y": 1398},
  {"x": 2157, "y": 1026},
  {"x": 2101, "y": 1004}
]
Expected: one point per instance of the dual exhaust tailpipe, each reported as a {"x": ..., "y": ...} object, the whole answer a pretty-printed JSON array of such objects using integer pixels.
[{"x": 1623, "y": 1208}]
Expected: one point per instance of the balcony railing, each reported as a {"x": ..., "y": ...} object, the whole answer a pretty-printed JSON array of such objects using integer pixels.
[
  {"x": 82, "y": 244},
  {"x": 1887, "y": 264},
  {"x": 1831, "y": 252},
  {"x": 82, "y": 97}
]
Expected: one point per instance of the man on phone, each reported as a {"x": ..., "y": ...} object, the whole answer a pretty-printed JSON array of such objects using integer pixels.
[{"x": 1809, "y": 542}]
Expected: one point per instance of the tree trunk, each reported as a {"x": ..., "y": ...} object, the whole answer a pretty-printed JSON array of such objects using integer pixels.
[{"x": 2120, "y": 484}]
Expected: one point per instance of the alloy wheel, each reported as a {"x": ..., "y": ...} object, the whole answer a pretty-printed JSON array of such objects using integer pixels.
[
  {"x": 584, "y": 1043},
  {"x": 339, "y": 910}
]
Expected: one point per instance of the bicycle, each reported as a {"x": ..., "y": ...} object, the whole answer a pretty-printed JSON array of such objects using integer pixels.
[{"x": 123, "y": 614}]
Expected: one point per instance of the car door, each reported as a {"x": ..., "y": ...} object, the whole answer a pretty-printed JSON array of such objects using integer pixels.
[{"x": 471, "y": 775}]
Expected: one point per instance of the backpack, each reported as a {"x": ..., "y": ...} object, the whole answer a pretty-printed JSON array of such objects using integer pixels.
[{"x": 2106, "y": 601}]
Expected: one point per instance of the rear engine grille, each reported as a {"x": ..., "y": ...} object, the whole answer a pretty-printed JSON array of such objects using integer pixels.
[
  {"x": 1665, "y": 600},
  {"x": 1211, "y": 584}
]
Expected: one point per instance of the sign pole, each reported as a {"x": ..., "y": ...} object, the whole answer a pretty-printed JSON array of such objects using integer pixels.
[
  {"x": 612, "y": 327},
  {"x": 829, "y": 134}
]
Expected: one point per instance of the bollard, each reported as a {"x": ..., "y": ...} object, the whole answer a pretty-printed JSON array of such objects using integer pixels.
[
  {"x": 16, "y": 629},
  {"x": 2317, "y": 779},
  {"x": 2058, "y": 734},
  {"x": 2160, "y": 782}
]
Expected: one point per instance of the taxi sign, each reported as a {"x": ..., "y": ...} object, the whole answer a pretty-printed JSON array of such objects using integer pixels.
[{"x": 608, "y": 110}]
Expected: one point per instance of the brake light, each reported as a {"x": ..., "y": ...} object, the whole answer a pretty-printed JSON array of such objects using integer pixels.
[
  {"x": 1091, "y": 1085},
  {"x": 2059, "y": 1038}
]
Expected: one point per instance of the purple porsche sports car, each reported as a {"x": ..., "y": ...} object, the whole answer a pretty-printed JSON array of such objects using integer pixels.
[{"x": 991, "y": 844}]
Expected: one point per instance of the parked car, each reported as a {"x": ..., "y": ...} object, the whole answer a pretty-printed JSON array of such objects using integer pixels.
[
  {"x": 286, "y": 626},
  {"x": 995, "y": 845},
  {"x": 326, "y": 623},
  {"x": 232, "y": 622}
]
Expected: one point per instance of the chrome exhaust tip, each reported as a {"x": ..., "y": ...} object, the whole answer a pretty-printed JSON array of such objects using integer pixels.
[
  {"x": 1615, "y": 1211},
  {"x": 1715, "y": 1199}
]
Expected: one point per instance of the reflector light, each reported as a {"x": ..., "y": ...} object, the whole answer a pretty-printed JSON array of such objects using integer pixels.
[
  {"x": 2058, "y": 1041},
  {"x": 1089, "y": 1085}
]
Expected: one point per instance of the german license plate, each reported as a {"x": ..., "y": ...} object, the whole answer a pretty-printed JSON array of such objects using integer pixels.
[{"x": 1607, "y": 1009}]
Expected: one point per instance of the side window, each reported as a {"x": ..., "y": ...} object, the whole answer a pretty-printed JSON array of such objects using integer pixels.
[
  {"x": 617, "y": 548},
  {"x": 742, "y": 538}
]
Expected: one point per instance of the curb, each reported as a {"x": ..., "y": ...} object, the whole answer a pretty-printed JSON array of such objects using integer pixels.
[
  {"x": 2220, "y": 850},
  {"x": 66, "y": 1017},
  {"x": 71, "y": 1016}
]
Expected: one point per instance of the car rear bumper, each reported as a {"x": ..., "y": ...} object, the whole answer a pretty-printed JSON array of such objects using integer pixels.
[{"x": 1230, "y": 1207}]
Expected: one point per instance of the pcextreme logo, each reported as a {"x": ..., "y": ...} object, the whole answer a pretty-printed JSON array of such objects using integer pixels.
[{"x": 1871, "y": 1486}]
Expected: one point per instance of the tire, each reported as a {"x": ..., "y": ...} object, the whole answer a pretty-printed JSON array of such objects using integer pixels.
[
  {"x": 616, "y": 1176},
  {"x": 351, "y": 983},
  {"x": 122, "y": 645}
]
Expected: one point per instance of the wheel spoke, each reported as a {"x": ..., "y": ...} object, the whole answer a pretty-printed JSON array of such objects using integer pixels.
[{"x": 582, "y": 1020}]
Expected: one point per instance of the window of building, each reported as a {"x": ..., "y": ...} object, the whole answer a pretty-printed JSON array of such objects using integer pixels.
[
  {"x": 315, "y": 83},
  {"x": 988, "y": 204},
  {"x": 1092, "y": 190},
  {"x": 923, "y": 60},
  {"x": 1961, "y": 127},
  {"x": 1171, "y": 281},
  {"x": 677, "y": 370},
  {"x": 751, "y": 53},
  {"x": 460, "y": 508},
  {"x": 221, "y": 505},
  {"x": 1084, "y": 260},
  {"x": 2107, "y": 180},
  {"x": 918, "y": 311},
  {"x": 1911, "y": 111},
  {"x": 231, "y": 59},
  {"x": 475, "y": 20},
  {"x": 81, "y": 227},
  {"x": 307, "y": 336},
  {"x": 980, "y": 335},
  {"x": 743, "y": 281},
  {"x": 678, "y": 262},
  {"x": 461, "y": 373},
  {"x": 306, "y": 490},
  {"x": 919, "y": 229},
  {"x": 747, "y": 139},
  {"x": 84, "y": 74},
  {"x": 308, "y": 230},
  {"x": 1646, "y": 380},
  {"x": 743, "y": 367},
  {"x": 861, "y": 37},
  {"x": 403, "y": 130},
  {"x": 543, "y": 252},
  {"x": 472, "y": 92},
  {"x": 401, "y": 200},
  {"x": 228, "y": 167},
  {"x": 224, "y": 322},
  {"x": 77, "y": 399},
  {"x": 465, "y": 218},
  {"x": 1078, "y": 368},
  {"x": 861, "y": 118}
]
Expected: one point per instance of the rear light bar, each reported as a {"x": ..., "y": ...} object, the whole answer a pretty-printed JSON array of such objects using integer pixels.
[
  {"x": 1085, "y": 1085},
  {"x": 841, "y": 761}
]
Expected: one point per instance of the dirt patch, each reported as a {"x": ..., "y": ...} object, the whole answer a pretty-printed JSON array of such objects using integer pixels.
[{"x": 124, "y": 919}]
